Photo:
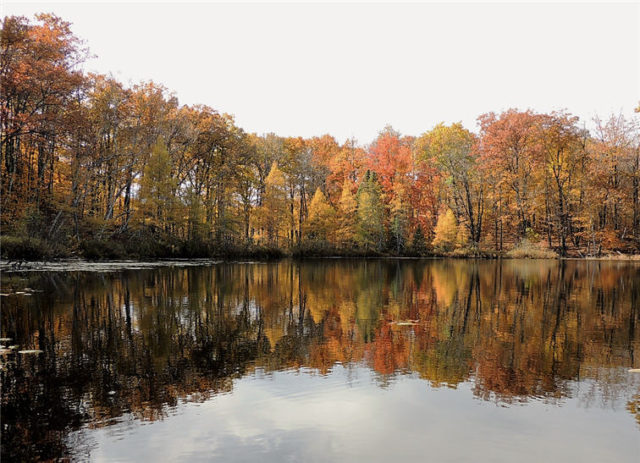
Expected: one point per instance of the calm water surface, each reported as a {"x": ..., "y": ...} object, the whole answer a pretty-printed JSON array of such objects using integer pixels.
[{"x": 333, "y": 360}]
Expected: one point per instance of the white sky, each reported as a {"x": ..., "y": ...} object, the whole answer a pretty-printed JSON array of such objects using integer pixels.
[{"x": 348, "y": 70}]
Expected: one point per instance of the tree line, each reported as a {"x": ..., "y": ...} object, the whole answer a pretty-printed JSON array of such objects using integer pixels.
[{"x": 94, "y": 167}]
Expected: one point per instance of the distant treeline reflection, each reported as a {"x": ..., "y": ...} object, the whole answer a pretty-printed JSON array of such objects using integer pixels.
[{"x": 141, "y": 341}]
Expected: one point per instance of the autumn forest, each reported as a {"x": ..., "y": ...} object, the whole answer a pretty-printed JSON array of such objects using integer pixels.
[{"x": 96, "y": 168}]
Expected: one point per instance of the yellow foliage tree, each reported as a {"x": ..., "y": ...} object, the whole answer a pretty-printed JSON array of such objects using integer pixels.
[
  {"x": 462, "y": 237},
  {"x": 157, "y": 188},
  {"x": 321, "y": 218},
  {"x": 272, "y": 214},
  {"x": 446, "y": 232}
]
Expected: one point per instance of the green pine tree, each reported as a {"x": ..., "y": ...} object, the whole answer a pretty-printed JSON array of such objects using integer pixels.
[{"x": 419, "y": 243}]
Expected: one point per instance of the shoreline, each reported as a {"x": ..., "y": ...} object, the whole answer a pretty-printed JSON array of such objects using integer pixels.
[{"x": 109, "y": 265}]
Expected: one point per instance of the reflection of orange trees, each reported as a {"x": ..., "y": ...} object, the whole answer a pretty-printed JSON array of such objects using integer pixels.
[
  {"x": 141, "y": 341},
  {"x": 634, "y": 407},
  {"x": 389, "y": 351},
  {"x": 550, "y": 322},
  {"x": 339, "y": 343},
  {"x": 497, "y": 375}
]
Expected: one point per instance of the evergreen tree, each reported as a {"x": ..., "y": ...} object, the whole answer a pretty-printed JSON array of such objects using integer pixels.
[
  {"x": 419, "y": 243},
  {"x": 346, "y": 217}
]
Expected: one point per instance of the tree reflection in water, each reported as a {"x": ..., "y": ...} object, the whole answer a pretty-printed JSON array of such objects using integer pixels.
[{"x": 139, "y": 342}]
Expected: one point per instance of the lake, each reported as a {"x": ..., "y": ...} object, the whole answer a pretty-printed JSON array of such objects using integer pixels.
[{"x": 325, "y": 360}]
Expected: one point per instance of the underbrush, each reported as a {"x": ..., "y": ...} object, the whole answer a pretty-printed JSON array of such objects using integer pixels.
[
  {"x": 472, "y": 252},
  {"x": 96, "y": 249},
  {"x": 26, "y": 248},
  {"x": 529, "y": 250},
  {"x": 324, "y": 249}
]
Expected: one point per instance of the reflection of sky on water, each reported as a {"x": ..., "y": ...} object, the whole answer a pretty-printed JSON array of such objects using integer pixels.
[{"x": 346, "y": 416}]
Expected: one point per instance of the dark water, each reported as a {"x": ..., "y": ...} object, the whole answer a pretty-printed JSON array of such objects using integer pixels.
[{"x": 363, "y": 360}]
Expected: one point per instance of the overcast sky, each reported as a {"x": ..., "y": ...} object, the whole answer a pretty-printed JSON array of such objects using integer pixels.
[{"x": 348, "y": 70}]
